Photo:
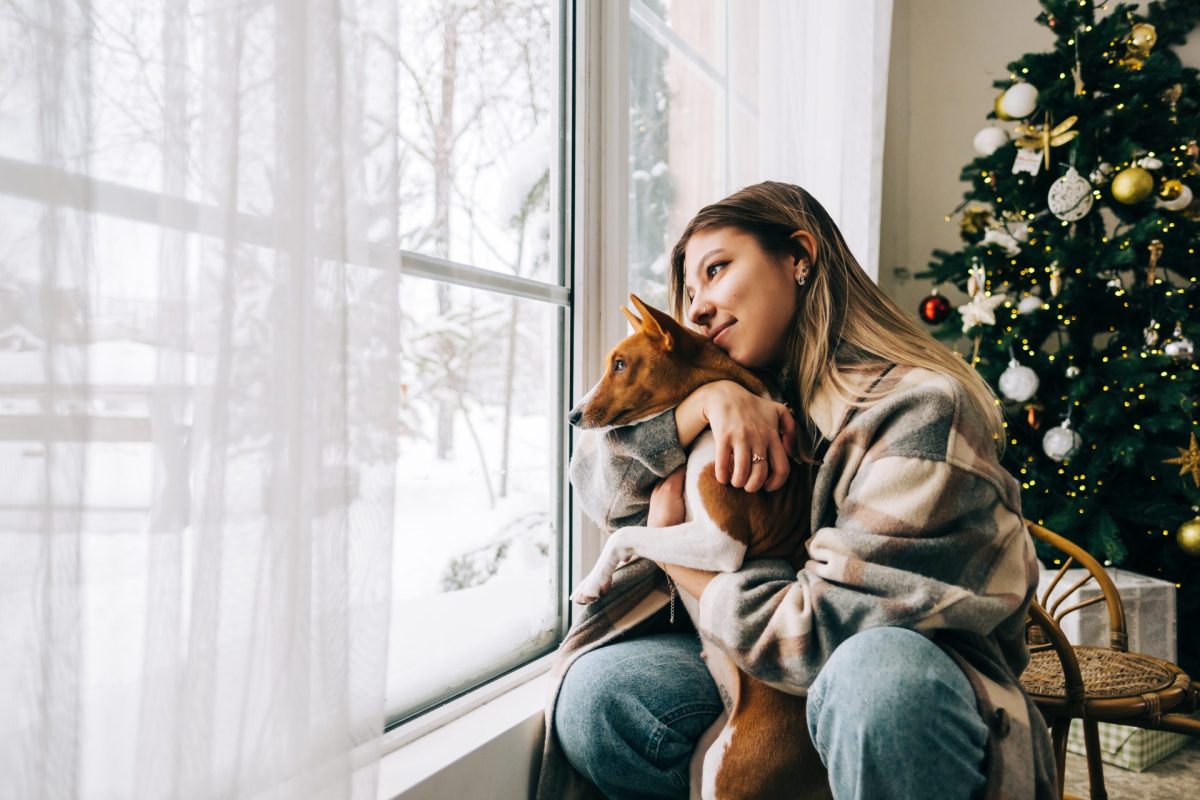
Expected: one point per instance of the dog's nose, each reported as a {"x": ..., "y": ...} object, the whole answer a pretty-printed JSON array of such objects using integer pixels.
[{"x": 575, "y": 416}]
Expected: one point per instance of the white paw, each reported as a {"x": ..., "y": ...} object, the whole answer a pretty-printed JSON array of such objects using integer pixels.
[{"x": 591, "y": 590}]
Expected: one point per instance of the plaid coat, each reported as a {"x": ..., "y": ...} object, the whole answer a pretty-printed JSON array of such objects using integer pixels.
[{"x": 915, "y": 525}]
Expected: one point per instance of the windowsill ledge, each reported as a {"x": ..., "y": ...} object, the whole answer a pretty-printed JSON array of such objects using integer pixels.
[{"x": 427, "y": 749}]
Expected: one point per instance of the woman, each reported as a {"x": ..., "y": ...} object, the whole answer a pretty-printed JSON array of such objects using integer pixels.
[{"x": 906, "y": 626}]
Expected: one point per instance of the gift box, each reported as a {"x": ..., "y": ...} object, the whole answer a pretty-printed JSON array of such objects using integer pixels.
[
  {"x": 1149, "y": 611},
  {"x": 1150, "y": 622},
  {"x": 1129, "y": 748}
]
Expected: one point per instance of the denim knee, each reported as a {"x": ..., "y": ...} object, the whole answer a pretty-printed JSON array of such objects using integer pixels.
[
  {"x": 891, "y": 712},
  {"x": 628, "y": 715},
  {"x": 890, "y": 677},
  {"x": 889, "y": 673}
]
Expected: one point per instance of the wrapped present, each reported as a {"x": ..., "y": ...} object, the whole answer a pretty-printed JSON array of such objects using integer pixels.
[
  {"x": 1129, "y": 748},
  {"x": 1149, "y": 611},
  {"x": 1149, "y": 606}
]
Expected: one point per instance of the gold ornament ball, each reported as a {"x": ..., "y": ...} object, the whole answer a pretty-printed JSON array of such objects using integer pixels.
[
  {"x": 1188, "y": 537},
  {"x": 1143, "y": 36},
  {"x": 1132, "y": 185},
  {"x": 1170, "y": 189},
  {"x": 1000, "y": 111}
]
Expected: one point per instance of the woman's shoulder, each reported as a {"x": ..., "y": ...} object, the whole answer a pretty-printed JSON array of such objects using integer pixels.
[
  {"x": 921, "y": 412},
  {"x": 932, "y": 415}
]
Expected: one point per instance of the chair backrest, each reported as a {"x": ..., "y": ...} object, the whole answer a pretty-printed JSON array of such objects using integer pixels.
[{"x": 1051, "y": 602}]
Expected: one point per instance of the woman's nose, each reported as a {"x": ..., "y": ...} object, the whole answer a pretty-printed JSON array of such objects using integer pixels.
[{"x": 699, "y": 312}]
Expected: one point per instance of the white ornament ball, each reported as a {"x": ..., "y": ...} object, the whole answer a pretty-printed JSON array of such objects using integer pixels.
[
  {"x": 1181, "y": 202},
  {"x": 1101, "y": 173},
  {"x": 1029, "y": 304},
  {"x": 990, "y": 139},
  {"x": 1149, "y": 162},
  {"x": 1018, "y": 383},
  {"x": 1180, "y": 349},
  {"x": 1070, "y": 196},
  {"x": 1020, "y": 100},
  {"x": 1061, "y": 442}
]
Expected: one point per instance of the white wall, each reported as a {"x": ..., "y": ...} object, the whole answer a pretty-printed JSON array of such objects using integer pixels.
[{"x": 945, "y": 55}]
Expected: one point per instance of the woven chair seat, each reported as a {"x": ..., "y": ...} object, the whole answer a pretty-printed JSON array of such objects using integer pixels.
[
  {"x": 1106, "y": 674},
  {"x": 1096, "y": 684}
]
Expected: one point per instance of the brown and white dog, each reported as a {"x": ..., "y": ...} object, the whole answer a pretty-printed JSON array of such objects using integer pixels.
[{"x": 764, "y": 750}]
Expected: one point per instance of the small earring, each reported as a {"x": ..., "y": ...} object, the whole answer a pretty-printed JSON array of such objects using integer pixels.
[{"x": 803, "y": 274}]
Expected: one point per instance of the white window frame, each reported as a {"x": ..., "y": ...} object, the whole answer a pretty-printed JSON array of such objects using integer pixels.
[
  {"x": 720, "y": 75},
  {"x": 491, "y": 730}
]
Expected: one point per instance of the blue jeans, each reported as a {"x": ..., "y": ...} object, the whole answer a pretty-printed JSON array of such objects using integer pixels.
[{"x": 890, "y": 714}]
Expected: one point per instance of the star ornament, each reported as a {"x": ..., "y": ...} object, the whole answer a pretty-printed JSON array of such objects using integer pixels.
[
  {"x": 1188, "y": 460},
  {"x": 981, "y": 310}
]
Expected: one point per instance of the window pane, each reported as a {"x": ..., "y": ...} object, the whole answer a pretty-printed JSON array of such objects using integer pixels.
[
  {"x": 132, "y": 359},
  {"x": 700, "y": 23},
  {"x": 479, "y": 143},
  {"x": 150, "y": 66},
  {"x": 677, "y": 156},
  {"x": 475, "y": 568}
]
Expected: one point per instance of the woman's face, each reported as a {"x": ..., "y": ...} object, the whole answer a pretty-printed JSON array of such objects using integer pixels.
[{"x": 743, "y": 299}]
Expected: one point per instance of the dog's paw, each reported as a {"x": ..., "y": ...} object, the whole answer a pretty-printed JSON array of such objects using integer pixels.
[{"x": 590, "y": 591}]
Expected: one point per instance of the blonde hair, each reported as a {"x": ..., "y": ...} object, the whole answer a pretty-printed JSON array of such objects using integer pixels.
[{"x": 839, "y": 303}]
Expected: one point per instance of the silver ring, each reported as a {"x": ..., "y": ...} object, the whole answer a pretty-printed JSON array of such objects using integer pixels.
[{"x": 755, "y": 458}]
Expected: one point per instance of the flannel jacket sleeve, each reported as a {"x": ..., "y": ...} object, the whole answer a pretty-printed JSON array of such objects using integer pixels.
[
  {"x": 614, "y": 470},
  {"x": 918, "y": 541}
]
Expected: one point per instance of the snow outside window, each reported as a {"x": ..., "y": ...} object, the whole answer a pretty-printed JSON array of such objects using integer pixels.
[
  {"x": 457, "y": 105},
  {"x": 478, "y": 501}
]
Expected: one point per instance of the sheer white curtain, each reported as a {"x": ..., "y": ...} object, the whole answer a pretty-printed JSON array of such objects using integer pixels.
[
  {"x": 199, "y": 378},
  {"x": 822, "y": 74}
]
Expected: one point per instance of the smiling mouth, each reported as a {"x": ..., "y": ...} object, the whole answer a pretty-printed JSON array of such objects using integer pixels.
[{"x": 716, "y": 339}]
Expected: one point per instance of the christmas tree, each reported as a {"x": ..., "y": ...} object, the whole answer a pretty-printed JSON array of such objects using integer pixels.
[{"x": 1080, "y": 230}]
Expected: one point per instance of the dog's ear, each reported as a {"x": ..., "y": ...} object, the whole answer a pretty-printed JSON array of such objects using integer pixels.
[
  {"x": 670, "y": 333},
  {"x": 634, "y": 321},
  {"x": 658, "y": 336}
]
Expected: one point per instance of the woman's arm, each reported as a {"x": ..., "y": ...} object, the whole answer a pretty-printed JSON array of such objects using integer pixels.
[
  {"x": 927, "y": 536},
  {"x": 744, "y": 425},
  {"x": 690, "y": 417},
  {"x": 614, "y": 470}
]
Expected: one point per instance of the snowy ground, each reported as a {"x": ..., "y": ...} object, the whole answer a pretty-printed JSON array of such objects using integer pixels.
[{"x": 441, "y": 640}]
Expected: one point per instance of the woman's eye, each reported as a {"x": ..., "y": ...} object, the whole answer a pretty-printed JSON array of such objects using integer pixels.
[
  {"x": 711, "y": 267},
  {"x": 618, "y": 365}
]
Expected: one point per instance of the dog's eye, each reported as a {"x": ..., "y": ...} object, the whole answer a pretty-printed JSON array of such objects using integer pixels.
[{"x": 618, "y": 365}]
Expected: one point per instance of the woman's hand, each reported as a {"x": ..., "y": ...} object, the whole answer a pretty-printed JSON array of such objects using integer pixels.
[
  {"x": 744, "y": 425},
  {"x": 666, "y": 501}
]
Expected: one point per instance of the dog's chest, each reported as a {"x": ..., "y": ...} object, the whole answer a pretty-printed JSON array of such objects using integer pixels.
[{"x": 702, "y": 455}]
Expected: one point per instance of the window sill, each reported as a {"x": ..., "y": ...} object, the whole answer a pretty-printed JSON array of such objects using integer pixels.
[{"x": 495, "y": 726}]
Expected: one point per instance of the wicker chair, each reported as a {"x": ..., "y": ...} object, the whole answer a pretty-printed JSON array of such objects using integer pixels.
[{"x": 1097, "y": 684}]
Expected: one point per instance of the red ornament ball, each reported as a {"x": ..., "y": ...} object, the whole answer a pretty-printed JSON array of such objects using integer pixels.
[{"x": 934, "y": 309}]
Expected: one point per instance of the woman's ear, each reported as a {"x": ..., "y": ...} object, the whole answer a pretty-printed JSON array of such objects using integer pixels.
[{"x": 806, "y": 247}]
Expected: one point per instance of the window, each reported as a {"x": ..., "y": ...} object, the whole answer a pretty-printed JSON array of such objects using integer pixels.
[
  {"x": 478, "y": 164},
  {"x": 692, "y": 121},
  {"x": 479, "y": 485}
]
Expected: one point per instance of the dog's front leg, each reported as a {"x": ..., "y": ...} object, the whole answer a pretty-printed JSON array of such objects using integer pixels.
[{"x": 697, "y": 544}]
